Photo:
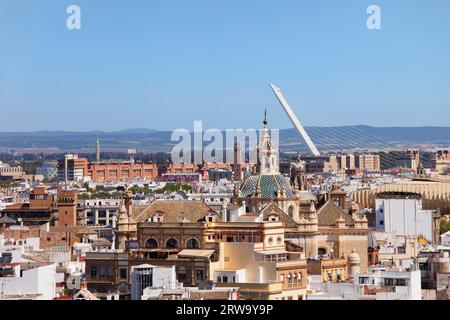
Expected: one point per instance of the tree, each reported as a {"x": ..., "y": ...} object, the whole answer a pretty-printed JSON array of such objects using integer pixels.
[{"x": 444, "y": 226}]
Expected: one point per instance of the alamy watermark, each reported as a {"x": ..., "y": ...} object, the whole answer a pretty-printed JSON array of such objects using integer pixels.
[
  {"x": 218, "y": 146},
  {"x": 374, "y": 19},
  {"x": 73, "y": 21}
]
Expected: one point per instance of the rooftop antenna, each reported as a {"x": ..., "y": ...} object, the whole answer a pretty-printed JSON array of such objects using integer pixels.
[{"x": 294, "y": 120}]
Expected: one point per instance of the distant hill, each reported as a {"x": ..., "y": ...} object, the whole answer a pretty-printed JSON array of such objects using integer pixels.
[{"x": 326, "y": 138}]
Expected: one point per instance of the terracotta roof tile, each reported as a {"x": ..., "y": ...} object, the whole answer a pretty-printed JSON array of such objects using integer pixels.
[{"x": 176, "y": 211}]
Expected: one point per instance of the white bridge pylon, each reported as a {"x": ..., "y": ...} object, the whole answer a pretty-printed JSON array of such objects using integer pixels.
[{"x": 294, "y": 120}]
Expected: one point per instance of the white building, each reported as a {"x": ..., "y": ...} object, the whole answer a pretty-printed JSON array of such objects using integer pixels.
[
  {"x": 402, "y": 214},
  {"x": 378, "y": 284},
  {"x": 149, "y": 276},
  {"x": 98, "y": 212},
  {"x": 445, "y": 239},
  {"x": 36, "y": 281}
]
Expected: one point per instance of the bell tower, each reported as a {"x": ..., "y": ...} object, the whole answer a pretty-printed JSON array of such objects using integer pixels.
[
  {"x": 299, "y": 180},
  {"x": 267, "y": 153},
  {"x": 67, "y": 208}
]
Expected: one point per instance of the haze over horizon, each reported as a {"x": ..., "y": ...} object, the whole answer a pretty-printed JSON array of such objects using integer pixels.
[
  {"x": 150, "y": 130},
  {"x": 162, "y": 66}
]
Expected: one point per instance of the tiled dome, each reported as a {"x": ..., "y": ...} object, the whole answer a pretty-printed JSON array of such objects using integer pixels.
[{"x": 268, "y": 185}]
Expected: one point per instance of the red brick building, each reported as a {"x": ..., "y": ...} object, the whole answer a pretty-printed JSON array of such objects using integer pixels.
[{"x": 126, "y": 170}]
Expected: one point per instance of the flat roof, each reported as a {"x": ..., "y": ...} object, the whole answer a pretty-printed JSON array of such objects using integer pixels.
[
  {"x": 269, "y": 252},
  {"x": 195, "y": 253}
]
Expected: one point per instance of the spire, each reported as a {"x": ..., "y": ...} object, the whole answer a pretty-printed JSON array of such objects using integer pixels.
[
  {"x": 267, "y": 153},
  {"x": 265, "y": 122}
]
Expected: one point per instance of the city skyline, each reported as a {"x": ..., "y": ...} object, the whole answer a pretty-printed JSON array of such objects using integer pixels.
[{"x": 170, "y": 65}]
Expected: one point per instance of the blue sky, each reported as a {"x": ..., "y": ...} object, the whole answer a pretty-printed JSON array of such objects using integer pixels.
[{"x": 164, "y": 64}]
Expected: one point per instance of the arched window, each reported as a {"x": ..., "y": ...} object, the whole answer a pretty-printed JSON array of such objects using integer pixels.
[
  {"x": 291, "y": 211},
  {"x": 279, "y": 240},
  {"x": 172, "y": 243},
  {"x": 289, "y": 279},
  {"x": 270, "y": 240},
  {"x": 294, "y": 280},
  {"x": 192, "y": 244},
  {"x": 300, "y": 277},
  {"x": 151, "y": 243}
]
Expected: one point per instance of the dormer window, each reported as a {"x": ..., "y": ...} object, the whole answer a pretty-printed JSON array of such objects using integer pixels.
[{"x": 157, "y": 218}]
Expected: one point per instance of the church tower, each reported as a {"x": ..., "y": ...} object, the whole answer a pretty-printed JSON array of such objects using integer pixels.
[
  {"x": 267, "y": 154},
  {"x": 67, "y": 208},
  {"x": 122, "y": 226},
  {"x": 299, "y": 180},
  {"x": 126, "y": 226}
]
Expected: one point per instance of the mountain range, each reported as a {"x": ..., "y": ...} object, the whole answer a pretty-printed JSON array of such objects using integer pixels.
[{"x": 146, "y": 140}]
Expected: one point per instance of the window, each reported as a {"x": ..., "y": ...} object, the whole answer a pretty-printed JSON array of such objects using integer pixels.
[
  {"x": 110, "y": 271},
  {"x": 93, "y": 271},
  {"x": 330, "y": 276},
  {"x": 291, "y": 211},
  {"x": 270, "y": 240},
  {"x": 388, "y": 282},
  {"x": 182, "y": 275},
  {"x": 219, "y": 279},
  {"x": 102, "y": 271},
  {"x": 151, "y": 243},
  {"x": 192, "y": 244},
  {"x": 279, "y": 240},
  {"x": 423, "y": 266},
  {"x": 282, "y": 278},
  {"x": 364, "y": 280},
  {"x": 225, "y": 279},
  {"x": 400, "y": 282},
  {"x": 172, "y": 243},
  {"x": 123, "y": 273},
  {"x": 199, "y": 275},
  {"x": 381, "y": 222}
]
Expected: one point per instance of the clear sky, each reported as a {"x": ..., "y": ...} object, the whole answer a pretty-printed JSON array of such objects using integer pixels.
[{"x": 163, "y": 64}]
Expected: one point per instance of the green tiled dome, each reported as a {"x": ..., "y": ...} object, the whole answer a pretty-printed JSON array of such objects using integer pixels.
[{"x": 268, "y": 184}]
